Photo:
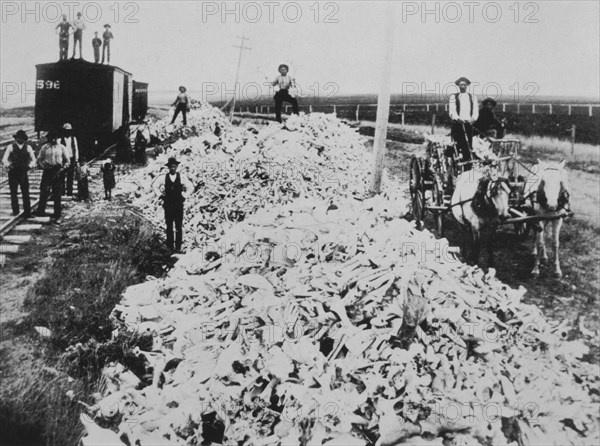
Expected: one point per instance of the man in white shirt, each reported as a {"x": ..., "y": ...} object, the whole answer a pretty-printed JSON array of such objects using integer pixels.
[
  {"x": 173, "y": 188},
  {"x": 78, "y": 27},
  {"x": 284, "y": 82},
  {"x": 18, "y": 159},
  {"x": 70, "y": 142},
  {"x": 464, "y": 111}
]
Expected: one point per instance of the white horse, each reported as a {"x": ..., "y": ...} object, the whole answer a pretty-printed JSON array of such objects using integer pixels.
[
  {"x": 549, "y": 188},
  {"x": 479, "y": 202}
]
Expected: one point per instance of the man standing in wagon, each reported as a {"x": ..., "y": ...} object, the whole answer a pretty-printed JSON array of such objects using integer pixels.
[{"x": 464, "y": 111}]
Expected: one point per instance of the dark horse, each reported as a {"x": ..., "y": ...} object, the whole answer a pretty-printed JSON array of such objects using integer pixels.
[{"x": 479, "y": 203}]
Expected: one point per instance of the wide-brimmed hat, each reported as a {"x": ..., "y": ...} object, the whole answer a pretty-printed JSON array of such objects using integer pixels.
[
  {"x": 172, "y": 161},
  {"x": 490, "y": 101},
  {"x": 67, "y": 126},
  {"x": 283, "y": 65},
  {"x": 462, "y": 79},
  {"x": 52, "y": 134},
  {"x": 21, "y": 135},
  {"x": 181, "y": 86},
  {"x": 106, "y": 25}
]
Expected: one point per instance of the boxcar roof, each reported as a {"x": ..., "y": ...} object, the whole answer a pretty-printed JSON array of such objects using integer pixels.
[{"x": 78, "y": 64}]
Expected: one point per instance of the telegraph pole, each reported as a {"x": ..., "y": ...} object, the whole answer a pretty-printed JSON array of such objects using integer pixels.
[
  {"x": 383, "y": 105},
  {"x": 237, "y": 74}
]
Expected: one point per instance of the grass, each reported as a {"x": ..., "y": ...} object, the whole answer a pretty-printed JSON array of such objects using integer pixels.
[{"x": 93, "y": 260}]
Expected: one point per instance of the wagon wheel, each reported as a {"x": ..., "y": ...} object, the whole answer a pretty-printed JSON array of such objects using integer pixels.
[
  {"x": 416, "y": 191},
  {"x": 438, "y": 216}
]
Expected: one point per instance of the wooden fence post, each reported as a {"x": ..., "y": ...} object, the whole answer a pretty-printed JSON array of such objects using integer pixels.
[
  {"x": 357, "y": 112},
  {"x": 256, "y": 110},
  {"x": 518, "y": 107},
  {"x": 573, "y": 140},
  {"x": 334, "y": 110},
  {"x": 433, "y": 124},
  {"x": 403, "y": 107},
  {"x": 591, "y": 111},
  {"x": 402, "y": 118},
  {"x": 503, "y": 107},
  {"x": 533, "y": 109},
  {"x": 427, "y": 105},
  {"x": 550, "y": 105},
  {"x": 310, "y": 108},
  {"x": 569, "y": 109}
]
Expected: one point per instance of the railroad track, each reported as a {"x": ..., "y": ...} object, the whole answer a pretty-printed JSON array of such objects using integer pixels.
[{"x": 15, "y": 230}]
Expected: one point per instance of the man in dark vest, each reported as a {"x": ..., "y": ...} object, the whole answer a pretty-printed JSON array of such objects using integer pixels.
[
  {"x": 70, "y": 142},
  {"x": 173, "y": 188},
  {"x": 18, "y": 159},
  {"x": 464, "y": 111}
]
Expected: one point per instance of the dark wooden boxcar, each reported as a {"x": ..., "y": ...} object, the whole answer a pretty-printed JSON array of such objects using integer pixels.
[
  {"x": 96, "y": 99},
  {"x": 140, "y": 101}
]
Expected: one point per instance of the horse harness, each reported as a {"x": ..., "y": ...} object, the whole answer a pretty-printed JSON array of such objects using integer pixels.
[
  {"x": 542, "y": 200},
  {"x": 482, "y": 200}
]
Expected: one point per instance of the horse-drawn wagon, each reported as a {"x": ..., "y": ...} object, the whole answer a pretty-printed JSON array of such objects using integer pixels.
[{"x": 435, "y": 177}]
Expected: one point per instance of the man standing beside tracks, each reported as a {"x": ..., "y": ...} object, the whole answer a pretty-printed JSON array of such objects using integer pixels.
[
  {"x": 18, "y": 159},
  {"x": 70, "y": 142},
  {"x": 464, "y": 110},
  {"x": 285, "y": 83},
  {"x": 53, "y": 158},
  {"x": 173, "y": 188}
]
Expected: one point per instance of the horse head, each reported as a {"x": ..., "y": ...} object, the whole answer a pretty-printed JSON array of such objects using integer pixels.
[
  {"x": 553, "y": 191},
  {"x": 498, "y": 195}
]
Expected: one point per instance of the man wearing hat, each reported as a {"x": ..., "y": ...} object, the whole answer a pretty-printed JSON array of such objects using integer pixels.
[
  {"x": 107, "y": 36},
  {"x": 53, "y": 158},
  {"x": 464, "y": 111},
  {"x": 63, "y": 37},
  {"x": 18, "y": 159},
  {"x": 181, "y": 104},
  {"x": 70, "y": 142},
  {"x": 172, "y": 188},
  {"x": 284, "y": 83},
  {"x": 487, "y": 124}
]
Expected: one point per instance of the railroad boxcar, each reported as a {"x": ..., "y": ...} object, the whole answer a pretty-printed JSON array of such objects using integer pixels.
[{"x": 96, "y": 99}]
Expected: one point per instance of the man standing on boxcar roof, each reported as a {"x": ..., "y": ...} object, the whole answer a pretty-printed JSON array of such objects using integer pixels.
[
  {"x": 18, "y": 159},
  {"x": 107, "y": 36},
  {"x": 70, "y": 142},
  {"x": 53, "y": 159},
  {"x": 464, "y": 111},
  {"x": 63, "y": 38},
  {"x": 78, "y": 27},
  {"x": 173, "y": 188}
]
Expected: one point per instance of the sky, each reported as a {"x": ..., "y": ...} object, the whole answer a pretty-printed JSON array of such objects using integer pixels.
[{"x": 508, "y": 49}]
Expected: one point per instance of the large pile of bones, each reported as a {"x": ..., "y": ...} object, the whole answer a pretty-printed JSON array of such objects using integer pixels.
[{"x": 321, "y": 318}]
